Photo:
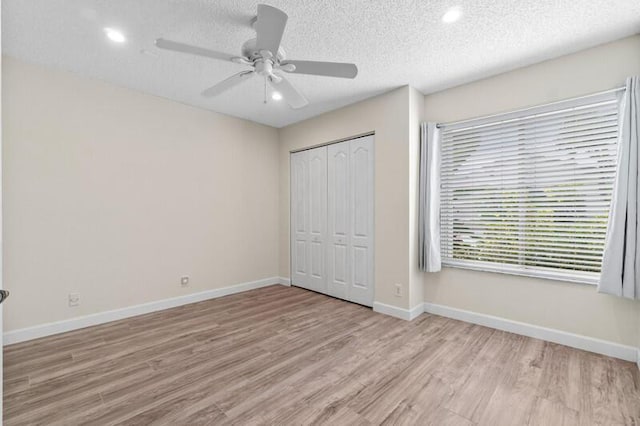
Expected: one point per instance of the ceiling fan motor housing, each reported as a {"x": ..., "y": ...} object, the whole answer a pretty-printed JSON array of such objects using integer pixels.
[{"x": 249, "y": 50}]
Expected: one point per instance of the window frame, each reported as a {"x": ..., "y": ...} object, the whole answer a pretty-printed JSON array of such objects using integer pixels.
[{"x": 559, "y": 274}]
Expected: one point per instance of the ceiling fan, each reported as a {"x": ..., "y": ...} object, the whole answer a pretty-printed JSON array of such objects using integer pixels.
[{"x": 266, "y": 58}]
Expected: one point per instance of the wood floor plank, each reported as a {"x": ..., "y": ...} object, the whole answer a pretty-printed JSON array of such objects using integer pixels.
[
  {"x": 62, "y": 409},
  {"x": 421, "y": 404},
  {"x": 284, "y": 355},
  {"x": 514, "y": 388},
  {"x": 473, "y": 392},
  {"x": 50, "y": 361},
  {"x": 383, "y": 396},
  {"x": 555, "y": 381},
  {"x": 130, "y": 354},
  {"x": 444, "y": 417},
  {"x": 36, "y": 351},
  {"x": 12, "y": 386},
  {"x": 329, "y": 416},
  {"x": 546, "y": 413},
  {"x": 211, "y": 415},
  {"x": 58, "y": 391},
  {"x": 473, "y": 340},
  {"x": 139, "y": 397},
  {"x": 608, "y": 399}
]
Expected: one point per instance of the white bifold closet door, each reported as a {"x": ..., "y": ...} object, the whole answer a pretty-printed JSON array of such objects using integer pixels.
[
  {"x": 350, "y": 220},
  {"x": 309, "y": 218},
  {"x": 348, "y": 235}
]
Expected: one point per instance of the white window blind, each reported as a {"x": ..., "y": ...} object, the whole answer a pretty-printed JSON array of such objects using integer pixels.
[{"x": 529, "y": 192}]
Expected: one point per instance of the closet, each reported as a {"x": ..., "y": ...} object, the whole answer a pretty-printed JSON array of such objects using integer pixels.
[{"x": 332, "y": 219}]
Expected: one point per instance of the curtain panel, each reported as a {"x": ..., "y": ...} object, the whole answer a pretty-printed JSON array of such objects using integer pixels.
[
  {"x": 429, "y": 199},
  {"x": 621, "y": 261}
]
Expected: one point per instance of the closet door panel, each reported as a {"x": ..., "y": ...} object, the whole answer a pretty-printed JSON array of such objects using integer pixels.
[
  {"x": 332, "y": 220},
  {"x": 317, "y": 218},
  {"x": 361, "y": 220},
  {"x": 338, "y": 270},
  {"x": 299, "y": 219}
]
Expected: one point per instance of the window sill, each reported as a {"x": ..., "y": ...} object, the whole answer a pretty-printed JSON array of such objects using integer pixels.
[{"x": 585, "y": 279}]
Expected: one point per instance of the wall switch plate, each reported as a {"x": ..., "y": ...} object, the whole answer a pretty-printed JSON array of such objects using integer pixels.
[
  {"x": 74, "y": 299},
  {"x": 184, "y": 281},
  {"x": 398, "y": 290}
]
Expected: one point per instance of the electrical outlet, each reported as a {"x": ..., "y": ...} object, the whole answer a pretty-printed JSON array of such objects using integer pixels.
[
  {"x": 74, "y": 299},
  {"x": 398, "y": 290},
  {"x": 184, "y": 281}
]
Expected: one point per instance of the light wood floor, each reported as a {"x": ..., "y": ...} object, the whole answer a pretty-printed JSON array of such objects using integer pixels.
[{"x": 283, "y": 355}]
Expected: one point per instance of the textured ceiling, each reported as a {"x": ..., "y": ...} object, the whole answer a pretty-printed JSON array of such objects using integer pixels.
[{"x": 393, "y": 42}]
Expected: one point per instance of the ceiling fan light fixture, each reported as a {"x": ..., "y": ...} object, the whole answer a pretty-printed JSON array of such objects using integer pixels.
[
  {"x": 115, "y": 35},
  {"x": 276, "y": 96},
  {"x": 452, "y": 15}
]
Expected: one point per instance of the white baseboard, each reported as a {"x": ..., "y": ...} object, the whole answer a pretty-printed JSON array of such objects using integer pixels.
[
  {"x": 284, "y": 281},
  {"x": 415, "y": 312},
  {"x": 604, "y": 347},
  {"x": 57, "y": 327},
  {"x": 394, "y": 311}
]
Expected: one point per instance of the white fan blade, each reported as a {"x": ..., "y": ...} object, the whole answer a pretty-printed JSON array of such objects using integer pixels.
[
  {"x": 269, "y": 28},
  {"x": 289, "y": 93},
  {"x": 227, "y": 84},
  {"x": 194, "y": 50},
  {"x": 329, "y": 69}
]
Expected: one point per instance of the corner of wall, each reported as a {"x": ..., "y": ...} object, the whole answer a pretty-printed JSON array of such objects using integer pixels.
[
  {"x": 282, "y": 272},
  {"x": 416, "y": 278}
]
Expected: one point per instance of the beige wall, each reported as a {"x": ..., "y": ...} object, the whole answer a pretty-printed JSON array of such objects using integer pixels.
[
  {"x": 570, "y": 307},
  {"x": 388, "y": 116},
  {"x": 115, "y": 194}
]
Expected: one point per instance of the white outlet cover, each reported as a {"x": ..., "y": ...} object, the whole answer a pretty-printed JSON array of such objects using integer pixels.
[
  {"x": 74, "y": 299},
  {"x": 398, "y": 290}
]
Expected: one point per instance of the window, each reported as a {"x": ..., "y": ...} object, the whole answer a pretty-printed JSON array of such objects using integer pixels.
[{"x": 529, "y": 192}]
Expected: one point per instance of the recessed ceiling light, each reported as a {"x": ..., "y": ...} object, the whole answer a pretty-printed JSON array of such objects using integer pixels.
[
  {"x": 452, "y": 15},
  {"x": 115, "y": 35},
  {"x": 276, "y": 96}
]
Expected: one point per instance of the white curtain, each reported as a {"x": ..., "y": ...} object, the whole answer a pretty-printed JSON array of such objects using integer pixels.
[
  {"x": 621, "y": 263},
  {"x": 429, "y": 199}
]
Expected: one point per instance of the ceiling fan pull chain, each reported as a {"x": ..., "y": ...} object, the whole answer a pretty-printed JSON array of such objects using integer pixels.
[{"x": 265, "y": 89}]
